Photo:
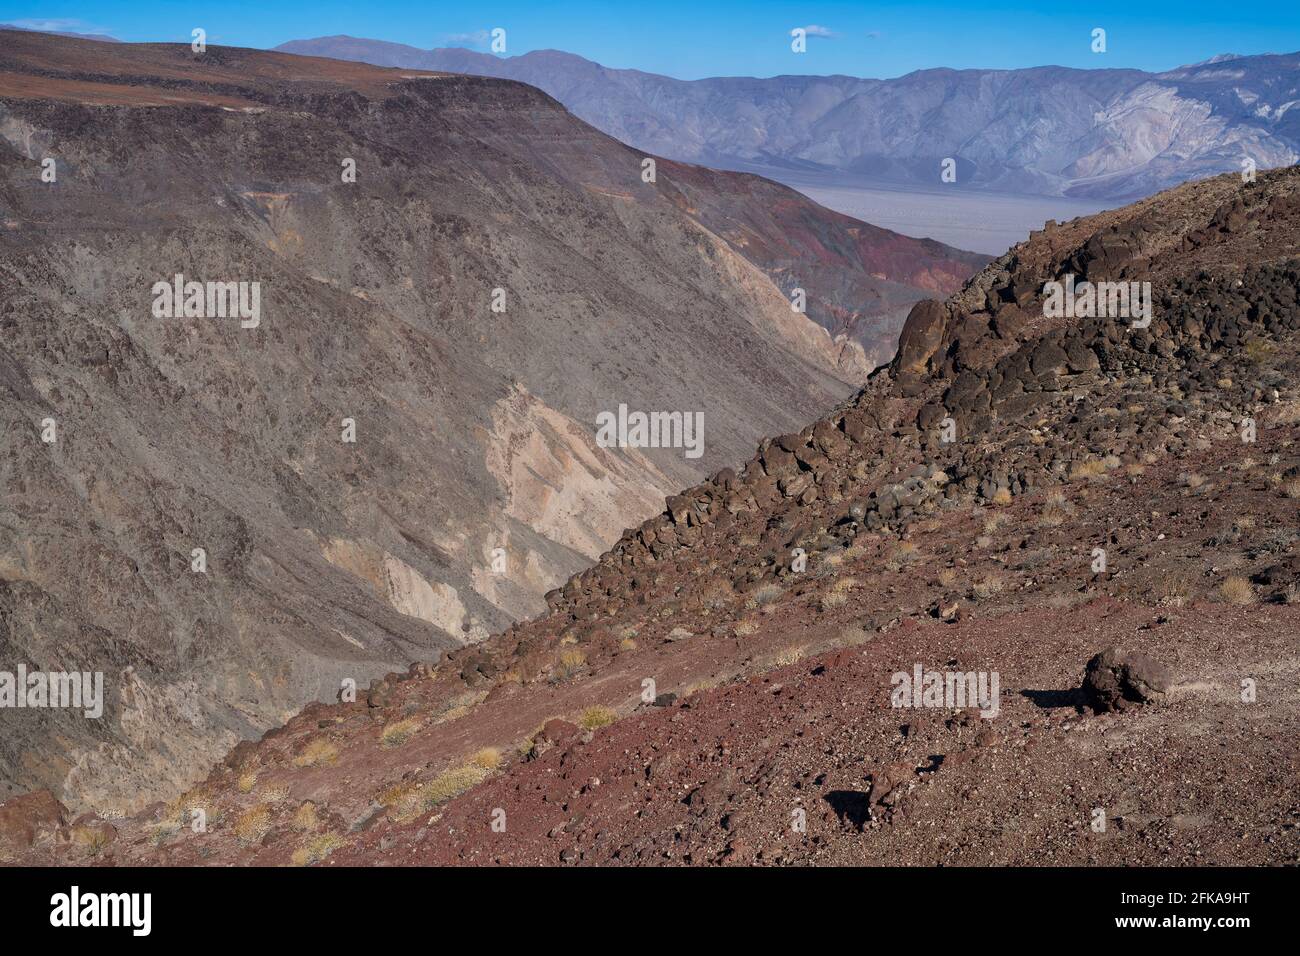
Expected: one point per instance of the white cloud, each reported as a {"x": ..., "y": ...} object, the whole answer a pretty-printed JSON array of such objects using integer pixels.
[{"x": 814, "y": 30}]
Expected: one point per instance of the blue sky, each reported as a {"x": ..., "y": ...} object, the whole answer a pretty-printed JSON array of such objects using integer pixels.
[{"x": 695, "y": 39}]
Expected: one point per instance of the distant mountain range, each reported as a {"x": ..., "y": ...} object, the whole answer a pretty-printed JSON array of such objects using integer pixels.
[
  {"x": 1098, "y": 134},
  {"x": 100, "y": 37}
]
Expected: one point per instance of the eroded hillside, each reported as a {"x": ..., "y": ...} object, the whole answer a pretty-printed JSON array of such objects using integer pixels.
[
  {"x": 391, "y": 451},
  {"x": 1015, "y": 494}
]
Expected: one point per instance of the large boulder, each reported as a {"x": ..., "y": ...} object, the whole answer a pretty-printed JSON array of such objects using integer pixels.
[
  {"x": 1120, "y": 679},
  {"x": 31, "y": 818},
  {"x": 921, "y": 336}
]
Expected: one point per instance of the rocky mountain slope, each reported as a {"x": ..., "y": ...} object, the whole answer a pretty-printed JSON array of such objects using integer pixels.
[
  {"x": 1100, "y": 512},
  {"x": 1098, "y": 134},
  {"x": 393, "y": 450}
]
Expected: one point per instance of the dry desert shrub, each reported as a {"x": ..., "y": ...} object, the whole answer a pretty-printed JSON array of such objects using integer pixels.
[
  {"x": 746, "y": 627},
  {"x": 852, "y": 636},
  {"x": 1174, "y": 589},
  {"x": 988, "y": 586},
  {"x": 305, "y": 817},
  {"x": 1292, "y": 489},
  {"x": 408, "y": 800},
  {"x": 395, "y": 794},
  {"x": 595, "y": 717},
  {"x": 790, "y": 655},
  {"x": 570, "y": 665},
  {"x": 247, "y": 781},
  {"x": 1056, "y": 509},
  {"x": 454, "y": 713},
  {"x": 398, "y": 732},
  {"x": 318, "y": 752},
  {"x": 833, "y": 599},
  {"x": 91, "y": 840},
  {"x": 488, "y": 758},
  {"x": 163, "y": 831},
  {"x": 1259, "y": 350},
  {"x": 995, "y": 521},
  {"x": 316, "y": 849},
  {"x": 253, "y": 824},
  {"x": 1088, "y": 468},
  {"x": 765, "y": 595},
  {"x": 831, "y": 561},
  {"x": 1002, "y": 496},
  {"x": 1237, "y": 590},
  {"x": 451, "y": 783},
  {"x": 906, "y": 552}
]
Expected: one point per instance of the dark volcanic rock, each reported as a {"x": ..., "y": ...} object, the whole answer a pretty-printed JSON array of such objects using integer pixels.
[{"x": 1118, "y": 679}]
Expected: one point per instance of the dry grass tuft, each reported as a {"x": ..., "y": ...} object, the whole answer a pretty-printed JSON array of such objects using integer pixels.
[
  {"x": 1088, "y": 468},
  {"x": 1259, "y": 350},
  {"x": 317, "y": 849},
  {"x": 765, "y": 595},
  {"x": 995, "y": 521},
  {"x": 252, "y": 825},
  {"x": 317, "y": 753},
  {"x": 571, "y": 664},
  {"x": 453, "y": 782},
  {"x": 790, "y": 655},
  {"x": 1056, "y": 509},
  {"x": 399, "y": 732},
  {"x": 1237, "y": 590},
  {"x": 595, "y": 717},
  {"x": 305, "y": 817},
  {"x": 833, "y": 599},
  {"x": 90, "y": 839}
]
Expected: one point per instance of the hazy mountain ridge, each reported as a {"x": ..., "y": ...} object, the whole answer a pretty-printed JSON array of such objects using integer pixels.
[{"x": 1101, "y": 134}]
